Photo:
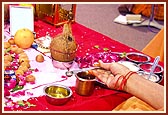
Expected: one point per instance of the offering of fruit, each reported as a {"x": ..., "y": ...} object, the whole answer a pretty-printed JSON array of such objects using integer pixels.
[
  {"x": 11, "y": 41},
  {"x": 63, "y": 46},
  {"x": 39, "y": 58},
  {"x": 13, "y": 48},
  {"x": 24, "y": 38},
  {"x": 25, "y": 63},
  {"x": 19, "y": 50},
  {"x": 8, "y": 57},
  {"x": 23, "y": 68},
  {"x": 30, "y": 78},
  {"x": 6, "y": 45},
  {"x": 19, "y": 72}
]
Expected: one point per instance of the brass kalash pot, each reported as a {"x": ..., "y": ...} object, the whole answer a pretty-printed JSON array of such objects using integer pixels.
[{"x": 63, "y": 48}]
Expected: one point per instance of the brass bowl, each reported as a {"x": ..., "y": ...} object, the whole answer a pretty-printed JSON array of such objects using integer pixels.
[{"x": 57, "y": 94}]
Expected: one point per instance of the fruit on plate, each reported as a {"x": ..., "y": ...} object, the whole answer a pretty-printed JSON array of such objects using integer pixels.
[{"x": 24, "y": 38}]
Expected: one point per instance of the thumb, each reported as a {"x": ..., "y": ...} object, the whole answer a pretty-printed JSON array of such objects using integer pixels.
[{"x": 106, "y": 66}]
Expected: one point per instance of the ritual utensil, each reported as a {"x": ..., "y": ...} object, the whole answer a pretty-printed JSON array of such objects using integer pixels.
[
  {"x": 63, "y": 49},
  {"x": 155, "y": 63},
  {"x": 56, "y": 94}
]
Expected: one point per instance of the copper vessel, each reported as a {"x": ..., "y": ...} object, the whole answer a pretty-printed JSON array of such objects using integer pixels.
[{"x": 85, "y": 83}]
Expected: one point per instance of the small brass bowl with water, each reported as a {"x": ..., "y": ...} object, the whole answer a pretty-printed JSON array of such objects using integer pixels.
[
  {"x": 85, "y": 83},
  {"x": 57, "y": 94}
]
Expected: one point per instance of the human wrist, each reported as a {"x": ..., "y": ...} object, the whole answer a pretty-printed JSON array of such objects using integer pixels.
[
  {"x": 122, "y": 80},
  {"x": 130, "y": 82}
]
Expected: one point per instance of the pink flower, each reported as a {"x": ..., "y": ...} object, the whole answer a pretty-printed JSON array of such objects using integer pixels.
[
  {"x": 16, "y": 56},
  {"x": 29, "y": 93},
  {"x": 19, "y": 93},
  {"x": 28, "y": 72},
  {"x": 12, "y": 84},
  {"x": 22, "y": 82},
  {"x": 33, "y": 82},
  {"x": 6, "y": 92},
  {"x": 21, "y": 77}
]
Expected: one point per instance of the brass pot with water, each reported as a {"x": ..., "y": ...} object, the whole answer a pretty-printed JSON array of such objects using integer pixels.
[{"x": 85, "y": 83}]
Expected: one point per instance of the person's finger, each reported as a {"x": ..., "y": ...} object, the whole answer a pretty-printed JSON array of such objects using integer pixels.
[
  {"x": 113, "y": 67},
  {"x": 104, "y": 65},
  {"x": 101, "y": 76},
  {"x": 110, "y": 81}
]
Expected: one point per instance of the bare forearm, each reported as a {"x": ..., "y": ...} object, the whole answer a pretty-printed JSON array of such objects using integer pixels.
[{"x": 146, "y": 91}]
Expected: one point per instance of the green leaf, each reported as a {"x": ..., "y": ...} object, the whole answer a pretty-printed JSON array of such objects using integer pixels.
[
  {"x": 29, "y": 104},
  {"x": 123, "y": 55},
  {"x": 105, "y": 49},
  {"x": 31, "y": 69},
  {"x": 7, "y": 50},
  {"x": 17, "y": 87},
  {"x": 20, "y": 103}
]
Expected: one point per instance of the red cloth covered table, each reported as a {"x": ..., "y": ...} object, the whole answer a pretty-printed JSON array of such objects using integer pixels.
[{"x": 102, "y": 99}]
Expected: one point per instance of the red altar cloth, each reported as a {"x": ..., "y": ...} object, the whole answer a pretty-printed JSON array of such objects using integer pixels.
[{"x": 102, "y": 99}]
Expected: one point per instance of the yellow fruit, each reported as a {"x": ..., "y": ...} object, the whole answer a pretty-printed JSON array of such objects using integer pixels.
[{"x": 24, "y": 38}]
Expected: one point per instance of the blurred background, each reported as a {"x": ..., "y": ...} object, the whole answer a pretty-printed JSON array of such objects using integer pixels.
[{"x": 100, "y": 17}]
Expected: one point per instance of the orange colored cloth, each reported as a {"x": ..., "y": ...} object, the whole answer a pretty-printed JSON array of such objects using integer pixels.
[
  {"x": 156, "y": 46},
  {"x": 134, "y": 104},
  {"x": 145, "y": 9}
]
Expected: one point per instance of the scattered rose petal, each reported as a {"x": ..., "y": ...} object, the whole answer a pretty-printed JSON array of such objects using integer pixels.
[
  {"x": 6, "y": 92},
  {"x": 90, "y": 59},
  {"x": 29, "y": 93},
  {"x": 22, "y": 83},
  {"x": 36, "y": 70}
]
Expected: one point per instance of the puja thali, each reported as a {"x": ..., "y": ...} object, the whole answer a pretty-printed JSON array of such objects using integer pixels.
[
  {"x": 43, "y": 43},
  {"x": 130, "y": 60}
]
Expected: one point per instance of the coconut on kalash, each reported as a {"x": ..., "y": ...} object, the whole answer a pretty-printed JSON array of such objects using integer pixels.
[{"x": 63, "y": 48}]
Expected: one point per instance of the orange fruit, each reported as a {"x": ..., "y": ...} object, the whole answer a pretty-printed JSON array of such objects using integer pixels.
[{"x": 24, "y": 38}]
